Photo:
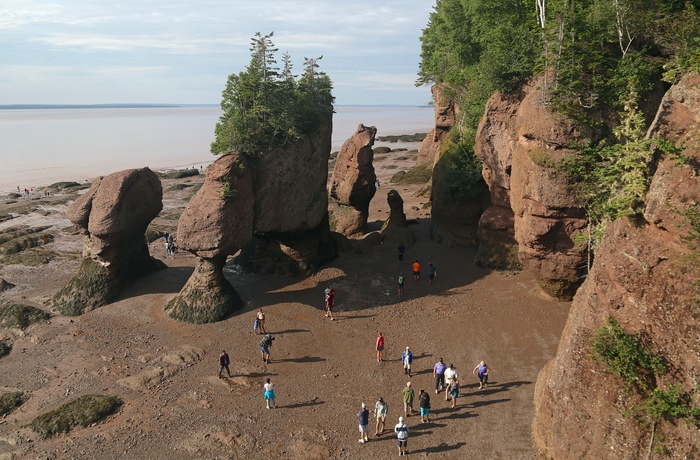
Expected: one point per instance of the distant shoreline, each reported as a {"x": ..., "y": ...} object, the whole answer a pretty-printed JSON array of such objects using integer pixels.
[{"x": 166, "y": 106}]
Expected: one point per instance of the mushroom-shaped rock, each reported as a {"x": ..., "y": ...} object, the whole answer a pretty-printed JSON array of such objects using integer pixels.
[
  {"x": 395, "y": 229},
  {"x": 353, "y": 183},
  {"x": 113, "y": 216},
  {"x": 217, "y": 222}
]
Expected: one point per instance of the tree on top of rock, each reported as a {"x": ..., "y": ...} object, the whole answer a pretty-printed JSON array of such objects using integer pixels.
[{"x": 264, "y": 109}]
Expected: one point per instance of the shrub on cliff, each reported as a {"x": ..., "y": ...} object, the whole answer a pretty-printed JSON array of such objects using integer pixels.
[
  {"x": 8, "y": 401},
  {"x": 81, "y": 412},
  {"x": 264, "y": 107}
]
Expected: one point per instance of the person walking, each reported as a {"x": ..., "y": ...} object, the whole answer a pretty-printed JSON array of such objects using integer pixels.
[
  {"x": 402, "y": 249},
  {"x": 380, "y": 346},
  {"x": 450, "y": 373},
  {"x": 483, "y": 372},
  {"x": 439, "y": 374},
  {"x": 407, "y": 359},
  {"x": 224, "y": 361},
  {"x": 265, "y": 345},
  {"x": 454, "y": 390},
  {"x": 416, "y": 270},
  {"x": 380, "y": 410},
  {"x": 400, "y": 284},
  {"x": 269, "y": 394},
  {"x": 401, "y": 430},
  {"x": 363, "y": 418},
  {"x": 408, "y": 395},
  {"x": 424, "y": 403},
  {"x": 330, "y": 301},
  {"x": 261, "y": 321},
  {"x": 431, "y": 273}
]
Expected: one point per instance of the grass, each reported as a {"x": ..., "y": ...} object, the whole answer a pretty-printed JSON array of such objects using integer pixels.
[
  {"x": 30, "y": 258},
  {"x": 9, "y": 401},
  {"x": 81, "y": 412},
  {"x": 419, "y": 174},
  {"x": 417, "y": 137},
  {"x": 21, "y": 316},
  {"x": 18, "y": 239},
  {"x": 179, "y": 174}
]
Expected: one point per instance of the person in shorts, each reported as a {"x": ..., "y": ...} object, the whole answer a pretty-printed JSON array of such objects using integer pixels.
[
  {"x": 265, "y": 345},
  {"x": 380, "y": 410},
  {"x": 261, "y": 321},
  {"x": 482, "y": 369},
  {"x": 407, "y": 394},
  {"x": 330, "y": 302},
  {"x": 454, "y": 390},
  {"x": 416, "y": 270},
  {"x": 269, "y": 394},
  {"x": 379, "y": 346},
  {"x": 363, "y": 418},
  {"x": 424, "y": 402},
  {"x": 401, "y": 430},
  {"x": 407, "y": 359},
  {"x": 400, "y": 284},
  {"x": 450, "y": 373}
]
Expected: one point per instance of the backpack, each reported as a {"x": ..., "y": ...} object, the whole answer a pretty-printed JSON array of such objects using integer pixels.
[{"x": 266, "y": 341}]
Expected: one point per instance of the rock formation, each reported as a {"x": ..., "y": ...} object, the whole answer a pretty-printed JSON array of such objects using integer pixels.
[
  {"x": 445, "y": 113},
  {"x": 290, "y": 224},
  {"x": 497, "y": 249},
  {"x": 113, "y": 216},
  {"x": 645, "y": 275},
  {"x": 216, "y": 223},
  {"x": 5, "y": 285},
  {"x": 395, "y": 229},
  {"x": 353, "y": 183}
]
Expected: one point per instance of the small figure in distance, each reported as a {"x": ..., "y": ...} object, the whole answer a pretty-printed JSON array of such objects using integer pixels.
[
  {"x": 402, "y": 249},
  {"x": 265, "y": 345},
  {"x": 330, "y": 301},
  {"x": 407, "y": 359},
  {"x": 261, "y": 321},
  {"x": 401, "y": 430},
  {"x": 224, "y": 361},
  {"x": 269, "y": 394},
  {"x": 483, "y": 372},
  {"x": 400, "y": 283},
  {"x": 380, "y": 410},
  {"x": 408, "y": 394},
  {"x": 377, "y": 184},
  {"x": 256, "y": 326},
  {"x": 424, "y": 402},
  {"x": 439, "y": 374},
  {"x": 454, "y": 390},
  {"x": 379, "y": 346},
  {"x": 431, "y": 273},
  {"x": 363, "y": 418},
  {"x": 416, "y": 270}
]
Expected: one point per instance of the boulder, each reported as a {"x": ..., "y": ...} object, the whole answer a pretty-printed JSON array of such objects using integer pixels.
[
  {"x": 113, "y": 216},
  {"x": 5, "y": 285},
  {"x": 395, "y": 229},
  {"x": 353, "y": 183},
  {"x": 645, "y": 276},
  {"x": 216, "y": 223},
  {"x": 498, "y": 249}
]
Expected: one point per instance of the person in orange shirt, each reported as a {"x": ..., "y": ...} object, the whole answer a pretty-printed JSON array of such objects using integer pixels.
[{"x": 416, "y": 270}]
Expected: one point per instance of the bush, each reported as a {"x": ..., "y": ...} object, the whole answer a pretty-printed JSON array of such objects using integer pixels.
[
  {"x": 21, "y": 316},
  {"x": 179, "y": 174},
  {"x": 9, "y": 401},
  {"x": 81, "y": 412},
  {"x": 419, "y": 174},
  {"x": 670, "y": 404},
  {"x": 4, "y": 349}
]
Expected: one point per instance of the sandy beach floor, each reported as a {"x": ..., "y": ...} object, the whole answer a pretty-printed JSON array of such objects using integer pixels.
[{"x": 174, "y": 406}]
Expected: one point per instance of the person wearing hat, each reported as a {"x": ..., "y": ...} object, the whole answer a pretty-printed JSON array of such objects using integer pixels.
[
  {"x": 380, "y": 410},
  {"x": 408, "y": 395},
  {"x": 363, "y": 417},
  {"x": 401, "y": 430},
  {"x": 407, "y": 359}
]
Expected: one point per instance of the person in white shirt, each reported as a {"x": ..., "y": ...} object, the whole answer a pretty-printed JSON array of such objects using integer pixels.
[
  {"x": 450, "y": 373},
  {"x": 401, "y": 430},
  {"x": 269, "y": 394}
]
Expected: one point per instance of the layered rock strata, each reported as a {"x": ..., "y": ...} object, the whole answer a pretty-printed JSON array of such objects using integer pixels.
[
  {"x": 395, "y": 228},
  {"x": 645, "y": 275},
  {"x": 216, "y": 223},
  {"x": 113, "y": 216},
  {"x": 445, "y": 113},
  {"x": 353, "y": 183}
]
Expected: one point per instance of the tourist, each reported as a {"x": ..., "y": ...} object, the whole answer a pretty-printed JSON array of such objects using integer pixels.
[
  {"x": 380, "y": 410},
  {"x": 402, "y": 249},
  {"x": 269, "y": 394},
  {"x": 407, "y": 359},
  {"x": 401, "y": 430},
  {"x": 380, "y": 346},
  {"x": 265, "y": 345},
  {"x": 431, "y": 273},
  {"x": 377, "y": 184},
  {"x": 256, "y": 326},
  {"x": 363, "y": 417},
  {"x": 450, "y": 373},
  {"x": 224, "y": 361},
  {"x": 424, "y": 402},
  {"x": 330, "y": 300},
  {"x": 261, "y": 321},
  {"x": 400, "y": 283},
  {"x": 439, "y": 374},
  {"x": 483, "y": 372},
  {"x": 408, "y": 395},
  {"x": 416, "y": 270},
  {"x": 454, "y": 390}
]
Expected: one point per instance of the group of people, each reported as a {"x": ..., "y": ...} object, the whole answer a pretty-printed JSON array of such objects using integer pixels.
[
  {"x": 416, "y": 268},
  {"x": 380, "y": 412},
  {"x": 170, "y": 248}
]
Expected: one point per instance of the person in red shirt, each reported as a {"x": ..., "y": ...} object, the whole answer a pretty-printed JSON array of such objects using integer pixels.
[
  {"x": 416, "y": 270},
  {"x": 330, "y": 299},
  {"x": 380, "y": 346}
]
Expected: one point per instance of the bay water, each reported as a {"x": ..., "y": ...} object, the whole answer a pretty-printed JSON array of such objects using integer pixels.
[{"x": 39, "y": 147}]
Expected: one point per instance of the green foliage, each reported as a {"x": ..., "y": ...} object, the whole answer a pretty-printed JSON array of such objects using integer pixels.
[
  {"x": 419, "y": 174},
  {"x": 264, "y": 108},
  {"x": 670, "y": 404},
  {"x": 416, "y": 137},
  {"x": 460, "y": 170},
  {"x": 4, "y": 349},
  {"x": 9, "y": 401},
  {"x": 21, "y": 316},
  {"x": 81, "y": 412},
  {"x": 225, "y": 192},
  {"x": 626, "y": 356},
  {"x": 179, "y": 173}
]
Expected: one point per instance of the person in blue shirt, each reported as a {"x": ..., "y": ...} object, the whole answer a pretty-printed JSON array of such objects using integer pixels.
[
  {"x": 439, "y": 374},
  {"x": 407, "y": 359}
]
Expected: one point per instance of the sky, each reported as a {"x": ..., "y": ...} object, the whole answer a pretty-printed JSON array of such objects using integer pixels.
[{"x": 182, "y": 51}]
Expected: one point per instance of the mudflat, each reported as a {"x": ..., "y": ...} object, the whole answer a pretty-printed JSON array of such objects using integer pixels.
[{"x": 165, "y": 371}]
